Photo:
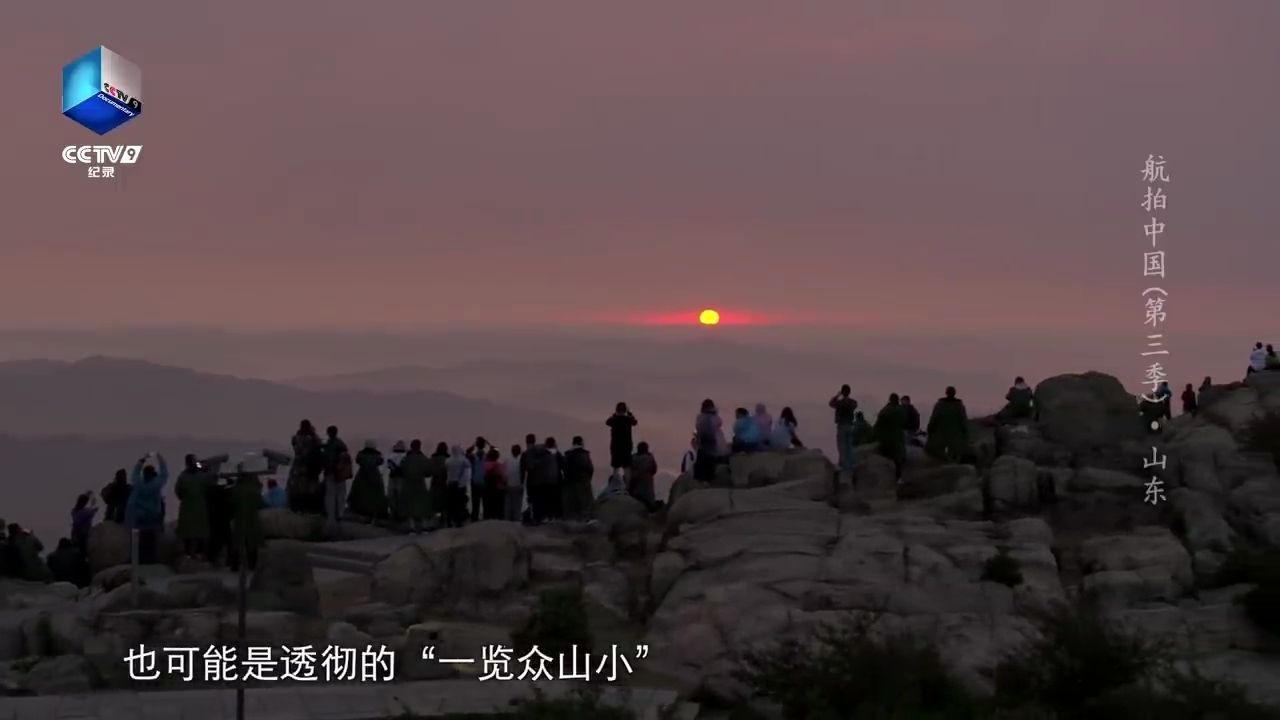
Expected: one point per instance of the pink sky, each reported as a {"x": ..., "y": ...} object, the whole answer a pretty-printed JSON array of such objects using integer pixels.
[{"x": 403, "y": 163}]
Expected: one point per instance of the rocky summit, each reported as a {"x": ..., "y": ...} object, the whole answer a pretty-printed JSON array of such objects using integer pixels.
[{"x": 774, "y": 548}]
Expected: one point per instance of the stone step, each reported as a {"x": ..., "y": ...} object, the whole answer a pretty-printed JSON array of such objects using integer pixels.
[{"x": 344, "y": 564}]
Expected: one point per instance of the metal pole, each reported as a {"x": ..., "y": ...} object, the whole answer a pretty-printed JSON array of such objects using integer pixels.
[{"x": 133, "y": 566}]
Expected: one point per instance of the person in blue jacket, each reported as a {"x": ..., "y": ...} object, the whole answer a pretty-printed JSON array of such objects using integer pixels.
[{"x": 145, "y": 509}]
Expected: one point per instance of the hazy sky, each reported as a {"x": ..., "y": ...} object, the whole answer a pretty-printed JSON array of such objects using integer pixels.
[{"x": 397, "y": 162}]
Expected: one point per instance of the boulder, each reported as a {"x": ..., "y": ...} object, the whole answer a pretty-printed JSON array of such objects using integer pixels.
[
  {"x": 488, "y": 558},
  {"x": 344, "y": 634},
  {"x": 284, "y": 580},
  {"x": 1199, "y": 516},
  {"x": 1015, "y": 484},
  {"x": 1092, "y": 479},
  {"x": 427, "y": 643},
  {"x": 616, "y": 508},
  {"x": 682, "y": 485},
  {"x": 65, "y": 675},
  {"x": 875, "y": 481},
  {"x": 939, "y": 480},
  {"x": 286, "y": 524},
  {"x": 1146, "y": 565},
  {"x": 1087, "y": 414},
  {"x": 110, "y": 544}
]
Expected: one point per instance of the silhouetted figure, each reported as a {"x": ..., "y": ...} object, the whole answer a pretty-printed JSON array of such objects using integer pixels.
[
  {"x": 1271, "y": 361},
  {"x": 514, "y": 507},
  {"x": 784, "y": 435},
  {"x": 1189, "y": 403},
  {"x": 115, "y": 496},
  {"x": 495, "y": 485},
  {"x": 845, "y": 408},
  {"x": 22, "y": 555},
  {"x": 644, "y": 468},
  {"x": 554, "y": 478},
  {"x": 439, "y": 474},
  {"x": 578, "y": 470},
  {"x": 712, "y": 448},
  {"x": 246, "y": 535},
  {"x": 862, "y": 429},
  {"x": 913, "y": 420},
  {"x": 690, "y": 456},
  {"x": 891, "y": 433},
  {"x": 338, "y": 469},
  {"x": 476, "y": 454},
  {"x": 415, "y": 497},
  {"x": 368, "y": 498},
  {"x": 1257, "y": 359},
  {"x": 275, "y": 496},
  {"x": 305, "y": 491},
  {"x": 395, "y": 481},
  {"x": 948, "y": 429},
  {"x": 1020, "y": 402},
  {"x": 82, "y": 514},
  {"x": 459, "y": 478},
  {"x": 68, "y": 564},
  {"x": 145, "y": 509},
  {"x": 1208, "y": 383},
  {"x": 1165, "y": 396},
  {"x": 192, "y": 489},
  {"x": 764, "y": 423},
  {"x": 621, "y": 444}
]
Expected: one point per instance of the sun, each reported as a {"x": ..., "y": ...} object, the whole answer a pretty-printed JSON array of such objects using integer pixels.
[{"x": 709, "y": 317}]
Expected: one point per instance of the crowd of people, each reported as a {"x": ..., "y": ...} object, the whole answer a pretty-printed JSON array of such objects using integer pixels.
[{"x": 534, "y": 482}]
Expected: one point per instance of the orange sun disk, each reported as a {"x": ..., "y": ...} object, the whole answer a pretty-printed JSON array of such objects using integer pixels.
[{"x": 709, "y": 317}]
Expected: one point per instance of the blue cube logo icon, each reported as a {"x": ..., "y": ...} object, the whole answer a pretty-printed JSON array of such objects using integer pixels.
[{"x": 101, "y": 90}]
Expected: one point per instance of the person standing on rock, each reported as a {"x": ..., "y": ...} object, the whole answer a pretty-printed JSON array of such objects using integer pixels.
[
  {"x": 1257, "y": 360},
  {"x": 368, "y": 497},
  {"x": 712, "y": 448},
  {"x": 459, "y": 478},
  {"x": 145, "y": 511},
  {"x": 644, "y": 468},
  {"x": 337, "y": 471},
  {"x": 578, "y": 469},
  {"x": 913, "y": 420},
  {"x": 68, "y": 564},
  {"x": 82, "y": 514},
  {"x": 495, "y": 485},
  {"x": 219, "y": 501},
  {"x": 948, "y": 429},
  {"x": 395, "y": 480},
  {"x": 891, "y": 434},
  {"x": 22, "y": 555},
  {"x": 477, "y": 454},
  {"x": 690, "y": 456},
  {"x": 513, "y": 509},
  {"x": 845, "y": 408},
  {"x": 621, "y": 443},
  {"x": 439, "y": 475},
  {"x": 553, "y": 477},
  {"x": 1189, "y": 402},
  {"x": 192, "y": 489},
  {"x": 246, "y": 535},
  {"x": 115, "y": 496},
  {"x": 305, "y": 492},
  {"x": 414, "y": 499}
]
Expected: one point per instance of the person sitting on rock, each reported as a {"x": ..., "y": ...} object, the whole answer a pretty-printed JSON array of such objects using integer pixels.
[
  {"x": 764, "y": 423},
  {"x": 746, "y": 433},
  {"x": 275, "y": 496},
  {"x": 913, "y": 420},
  {"x": 644, "y": 468},
  {"x": 784, "y": 431},
  {"x": 948, "y": 429},
  {"x": 709, "y": 430},
  {"x": 1189, "y": 403},
  {"x": 578, "y": 470},
  {"x": 1021, "y": 402},
  {"x": 82, "y": 515},
  {"x": 1257, "y": 359},
  {"x": 891, "y": 434},
  {"x": 22, "y": 555},
  {"x": 192, "y": 489},
  {"x": 115, "y": 496},
  {"x": 368, "y": 498},
  {"x": 459, "y": 478},
  {"x": 68, "y": 564},
  {"x": 145, "y": 510}
]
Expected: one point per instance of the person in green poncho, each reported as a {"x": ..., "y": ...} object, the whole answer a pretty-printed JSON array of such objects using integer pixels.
[
  {"x": 948, "y": 429},
  {"x": 891, "y": 432},
  {"x": 415, "y": 498},
  {"x": 246, "y": 531},
  {"x": 368, "y": 497},
  {"x": 192, "y": 489}
]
